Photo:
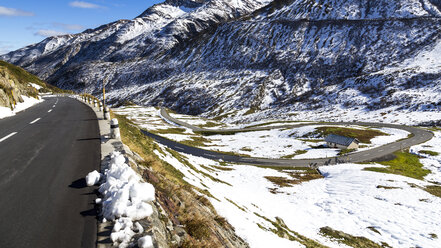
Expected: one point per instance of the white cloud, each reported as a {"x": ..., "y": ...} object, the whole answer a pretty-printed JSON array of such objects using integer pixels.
[
  {"x": 13, "y": 12},
  {"x": 84, "y": 5},
  {"x": 49, "y": 33}
]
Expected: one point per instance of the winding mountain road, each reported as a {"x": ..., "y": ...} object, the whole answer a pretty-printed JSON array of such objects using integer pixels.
[
  {"x": 45, "y": 152},
  {"x": 418, "y": 136}
]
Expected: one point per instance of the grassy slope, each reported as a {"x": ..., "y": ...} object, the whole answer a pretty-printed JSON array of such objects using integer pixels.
[
  {"x": 363, "y": 135},
  {"x": 176, "y": 196},
  {"x": 24, "y": 77},
  {"x": 404, "y": 164},
  {"x": 408, "y": 165}
]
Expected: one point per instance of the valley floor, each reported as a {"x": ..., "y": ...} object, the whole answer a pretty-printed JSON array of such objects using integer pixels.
[{"x": 292, "y": 208}]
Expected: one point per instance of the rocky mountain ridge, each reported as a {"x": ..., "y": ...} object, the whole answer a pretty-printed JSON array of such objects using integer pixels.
[
  {"x": 16, "y": 83},
  {"x": 218, "y": 57}
]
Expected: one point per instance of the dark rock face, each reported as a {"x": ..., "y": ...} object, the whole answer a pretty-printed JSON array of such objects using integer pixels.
[{"x": 212, "y": 56}]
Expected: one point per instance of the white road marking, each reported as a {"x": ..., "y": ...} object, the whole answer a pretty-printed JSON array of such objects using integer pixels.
[
  {"x": 8, "y": 136},
  {"x": 180, "y": 148},
  {"x": 367, "y": 154},
  {"x": 380, "y": 150},
  {"x": 50, "y": 110},
  {"x": 32, "y": 122},
  {"x": 53, "y": 106}
]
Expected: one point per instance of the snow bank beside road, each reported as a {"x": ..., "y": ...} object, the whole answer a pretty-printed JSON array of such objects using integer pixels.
[
  {"x": 125, "y": 195},
  {"x": 28, "y": 102},
  {"x": 126, "y": 198}
]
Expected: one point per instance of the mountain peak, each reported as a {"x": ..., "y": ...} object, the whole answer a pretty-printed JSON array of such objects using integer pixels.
[
  {"x": 183, "y": 5},
  {"x": 220, "y": 55}
]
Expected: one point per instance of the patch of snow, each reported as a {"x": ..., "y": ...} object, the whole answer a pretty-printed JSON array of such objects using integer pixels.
[
  {"x": 176, "y": 137},
  {"x": 319, "y": 153},
  {"x": 266, "y": 144},
  {"x": 125, "y": 195},
  {"x": 36, "y": 86},
  {"x": 145, "y": 242},
  {"x": 126, "y": 198},
  {"x": 122, "y": 232},
  {"x": 27, "y": 103},
  {"x": 93, "y": 178},
  {"x": 139, "y": 228},
  {"x": 394, "y": 135}
]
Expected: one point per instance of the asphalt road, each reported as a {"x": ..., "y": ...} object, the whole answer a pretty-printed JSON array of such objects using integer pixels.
[
  {"x": 45, "y": 153},
  {"x": 419, "y": 136}
]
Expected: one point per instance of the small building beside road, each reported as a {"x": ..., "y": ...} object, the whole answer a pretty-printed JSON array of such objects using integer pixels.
[{"x": 342, "y": 142}]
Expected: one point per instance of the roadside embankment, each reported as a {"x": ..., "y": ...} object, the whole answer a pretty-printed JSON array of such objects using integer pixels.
[{"x": 180, "y": 215}]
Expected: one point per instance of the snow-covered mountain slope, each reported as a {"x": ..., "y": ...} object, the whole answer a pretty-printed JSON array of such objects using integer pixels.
[{"x": 273, "y": 57}]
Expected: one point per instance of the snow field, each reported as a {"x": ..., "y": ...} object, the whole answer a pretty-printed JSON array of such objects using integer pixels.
[
  {"x": 145, "y": 117},
  {"x": 126, "y": 199},
  {"x": 348, "y": 199},
  {"x": 277, "y": 143},
  {"x": 393, "y": 114}
]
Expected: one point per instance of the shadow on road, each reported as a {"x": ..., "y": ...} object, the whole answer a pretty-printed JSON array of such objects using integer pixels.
[
  {"x": 106, "y": 233},
  {"x": 86, "y": 139},
  {"x": 79, "y": 184},
  {"x": 94, "y": 192},
  {"x": 91, "y": 212}
]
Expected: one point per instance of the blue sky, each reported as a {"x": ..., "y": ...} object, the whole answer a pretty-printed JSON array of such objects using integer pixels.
[{"x": 24, "y": 22}]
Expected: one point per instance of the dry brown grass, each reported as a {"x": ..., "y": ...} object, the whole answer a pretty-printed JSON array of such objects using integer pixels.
[
  {"x": 295, "y": 177},
  {"x": 282, "y": 181},
  {"x": 434, "y": 190},
  {"x": 350, "y": 240}
]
